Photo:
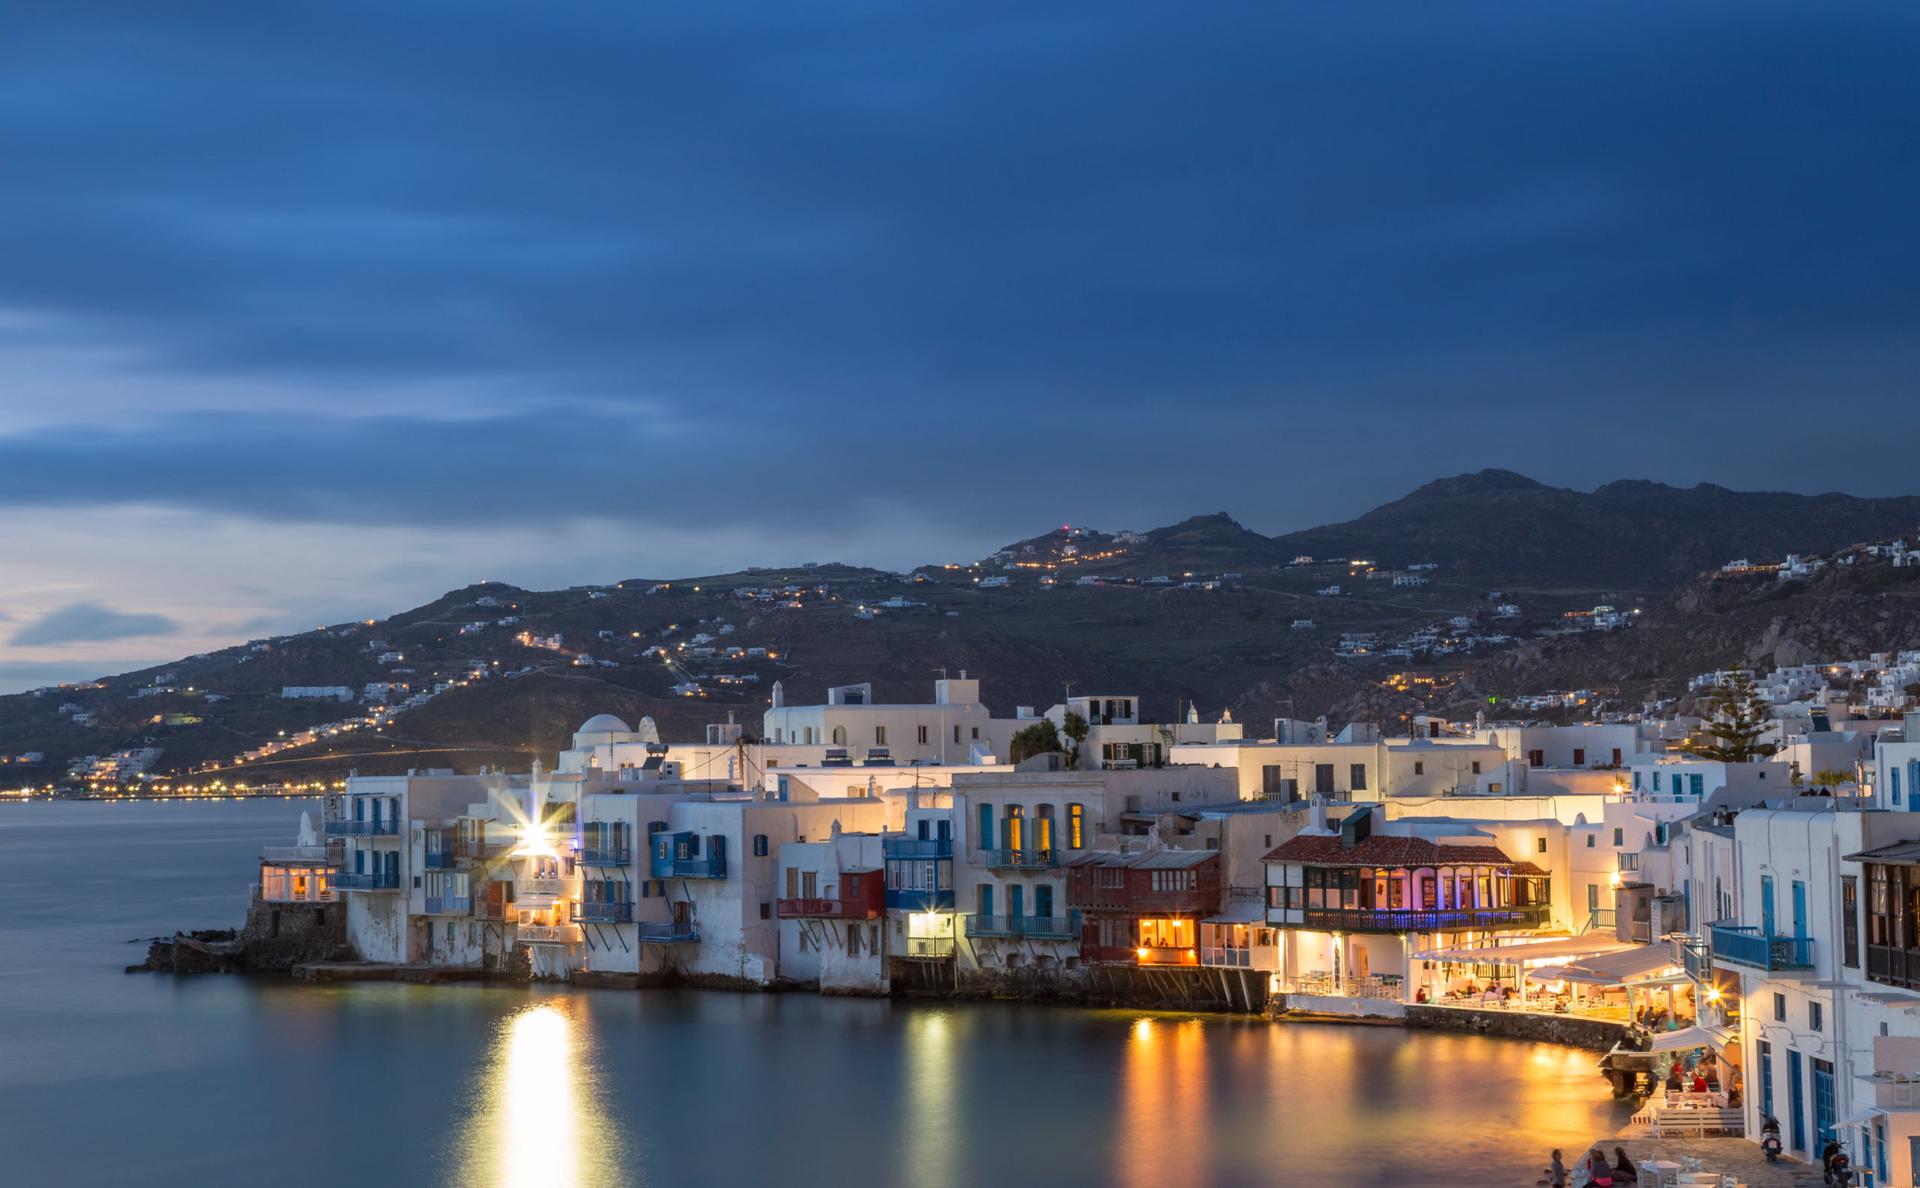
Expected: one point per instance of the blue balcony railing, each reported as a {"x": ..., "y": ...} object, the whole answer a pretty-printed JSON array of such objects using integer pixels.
[
  {"x": 604, "y": 913},
  {"x": 1021, "y": 859},
  {"x": 349, "y": 880},
  {"x": 668, "y": 934},
  {"x": 1743, "y": 944},
  {"x": 606, "y": 856},
  {"x": 449, "y": 905},
  {"x": 1031, "y": 927},
  {"x": 916, "y": 847},
  {"x": 908, "y": 899},
  {"x": 440, "y": 860},
  {"x": 363, "y": 828},
  {"x": 681, "y": 856}
]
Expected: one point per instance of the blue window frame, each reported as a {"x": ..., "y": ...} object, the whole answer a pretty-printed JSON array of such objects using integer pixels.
[
  {"x": 1697, "y": 784},
  {"x": 1893, "y": 784},
  {"x": 1799, "y": 908}
]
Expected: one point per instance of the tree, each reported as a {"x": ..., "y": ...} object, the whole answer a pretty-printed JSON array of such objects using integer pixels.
[
  {"x": 1833, "y": 778},
  {"x": 1038, "y": 739},
  {"x": 1076, "y": 732},
  {"x": 1736, "y": 718}
]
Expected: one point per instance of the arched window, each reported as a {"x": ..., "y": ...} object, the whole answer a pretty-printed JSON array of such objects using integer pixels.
[
  {"x": 1043, "y": 829},
  {"x": 839, "y": 736},
  {"x": 1013, "y": 828}
]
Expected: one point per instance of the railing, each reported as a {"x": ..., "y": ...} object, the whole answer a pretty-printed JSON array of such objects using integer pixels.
[
  {"x": 1020, "y": 859},
  {"x": 1695, "y": 957},
  {"x": 449, "y": 905},
  {"x": 348, "y": 880},
  {"x": 607, "y": 856},
  {"x": 1232, "y": 958},
  {"x": 549, "y": 934},
  {"x": 709, "y": 866},
  {"x": 1531, "y": 915},
  {"x": 916, "y": 847},
  {"x": 1743, "y": 944},
  {"x": 928, "y": 948},
  {"x": 551, "y": 887},
  {"x": 1600, "y": 920},
  {"x": 833, "y": 909},
  {"x": 440, "y": 860},
  {"x": 363, "y": 828},
  {"x": 1032, "y": 927},
  {"x": 479, "y": 847},
  {"x": 668, "y": 934},
  {"x": 604, "y": 913},
  {"x": 1894, "y": 967}
]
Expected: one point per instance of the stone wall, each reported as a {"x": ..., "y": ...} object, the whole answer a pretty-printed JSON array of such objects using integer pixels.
[
  {"x": 1597, "y": 1035},
  {"x": 278, "y": 936}
]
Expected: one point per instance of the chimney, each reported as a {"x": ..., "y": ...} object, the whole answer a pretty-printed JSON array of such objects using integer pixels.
[
  {"x": 779, "y": 694},
  {"x": 1317, "y": 814}
]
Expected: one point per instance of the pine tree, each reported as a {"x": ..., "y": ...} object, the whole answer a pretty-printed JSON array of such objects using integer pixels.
[
  {"x": 1737, "y": 717},
  {"x": 1038, "y": 739}
]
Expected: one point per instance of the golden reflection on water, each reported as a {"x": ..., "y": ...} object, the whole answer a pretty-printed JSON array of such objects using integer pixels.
[
  {"x": 1163, "y": 1109},
  {"x": 538, "y": 1122},
  {"x": 930, "y": 1157}
]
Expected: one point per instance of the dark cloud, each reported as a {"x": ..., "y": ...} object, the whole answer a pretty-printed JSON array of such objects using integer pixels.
[
  {"x": 825, "y": 263},
  {"x": 87, "y": 622}
]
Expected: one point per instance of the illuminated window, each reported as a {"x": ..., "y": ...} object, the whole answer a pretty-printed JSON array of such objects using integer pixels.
[{"x": 1076, "y": 826}]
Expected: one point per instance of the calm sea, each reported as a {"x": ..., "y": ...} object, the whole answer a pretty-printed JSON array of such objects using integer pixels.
[{"x": 110, "y": 1078}]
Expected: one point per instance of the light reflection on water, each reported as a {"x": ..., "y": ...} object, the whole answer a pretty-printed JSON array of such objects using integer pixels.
[{"x": 539, "y": 1121}]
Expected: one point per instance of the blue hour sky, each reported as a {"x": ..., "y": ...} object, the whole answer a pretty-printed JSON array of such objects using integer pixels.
[{"x": 314, "y": 311}]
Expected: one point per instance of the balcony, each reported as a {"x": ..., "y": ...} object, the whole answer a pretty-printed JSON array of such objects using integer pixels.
[
  {"x": 363, "y": 828},
  {"x": 1532, "y": 915},
  {"x": 1020, "y": 859},
  {"x": 910, "y": 848},
  {"x": 440, "y": 860},
  {"x": 1029, "y": 927},
  {"x": 928, "y": 948},
  {"x": 1893, "y": 966},
  {"x": 823, "y": 909},
  {"x": 449, "y": 905},
  {"x": 1742, "y": 944},
  {"x": 669, "y": 934},
  {"x": 679, "y": 856},
  {"x": 607, "y": 856},
  {"x": 1229, "y": 958},
  {"x": 604, "y": 913},
  {"x": 549, "y": 888},
  {"x": 371, "y": 881},
  {"x": 550, "y": 934}
]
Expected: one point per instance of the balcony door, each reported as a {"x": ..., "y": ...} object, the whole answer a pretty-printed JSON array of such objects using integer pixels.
[
  {"x": 1766, "y": 905},
  {"x": 1016, "y": 900},
  {"x": 1043, "y": 902},
  {"x": 1799, "y": 909}
]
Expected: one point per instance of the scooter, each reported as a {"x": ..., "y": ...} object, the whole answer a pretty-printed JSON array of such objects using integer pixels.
[{"x": 1770, "y": 1143}]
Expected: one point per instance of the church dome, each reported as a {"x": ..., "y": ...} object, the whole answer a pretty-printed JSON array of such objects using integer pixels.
[{"x": 604, "y": 724}]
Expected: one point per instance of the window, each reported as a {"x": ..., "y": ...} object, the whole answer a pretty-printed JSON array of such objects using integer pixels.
[
  {"x": 1589, "y": 841},
  {"x": 1357, "y": 777},
  {"x": 1579, "y": 757},
  {"x": 1764, "y": 1052},
  {"x": 1323, "y": 779},
  {"x": 985, "y": 840},
  {"x": 1540, "y": 846},
  {"x": 1779, "y": 1007},
  {"x": 956, "y": 734},
  {"x": 879, "y": 736},
  {"x": 1536, "y": 758},
  {"x": 1850, "y": 922},
  {"x": 1619, "y": 838},
  {"x": 1893, "y": 783},
  {"x": 839, "y": 736},
  {"x": 759, "y": 845},
  {"x": 1076, "y": 826},
  {"x": 1419, "y": 768},
  {"x": 1476, "y": 767},
  {"x": 1816, "y": 1017},
  {"x": 766, "y": 910},
  {"x": 1697, "y": 784},
  {"x": 923, "y": 735},
  {"x": 976, "y": 732}
]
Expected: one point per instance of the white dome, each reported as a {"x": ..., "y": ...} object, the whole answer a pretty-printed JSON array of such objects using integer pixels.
[{"x": 604, "y": 724}]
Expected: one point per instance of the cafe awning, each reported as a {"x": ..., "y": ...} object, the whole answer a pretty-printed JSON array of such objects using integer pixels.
[
  {"x": 1556, "y": 947},
  {"x": 1611, "y": 969},
  {"x": 1716, "y": 1038}
]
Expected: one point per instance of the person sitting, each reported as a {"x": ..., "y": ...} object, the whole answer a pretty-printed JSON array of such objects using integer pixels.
[
  {"x": 1599, "y": 1171},
  {"x": 1623, "y": 1170},
  {"x": 1420, "y": 995},
  {"x": 1699, "y": 1082},
  {"x": 1673, "y": 1077}
]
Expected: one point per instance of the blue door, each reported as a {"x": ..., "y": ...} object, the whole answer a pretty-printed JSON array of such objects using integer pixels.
[
  {"x": 393, "y": 869},
  {"x": 1016, "y": 901},
  {"x": 1799, "y": 908},
  {"x": 1766, "y": 908},
  {"x": 986, "y": 899},
  {"x": 1043, "y": 902},
  {"x": 985, "y": 840},
  {"x": 1796, "y": 1101},
  {"x": 1763, "y": 1052},
  {"x": 1822, "y": 1101}
]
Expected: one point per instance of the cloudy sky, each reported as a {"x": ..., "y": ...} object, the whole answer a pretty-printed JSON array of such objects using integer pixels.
[{"x": 313, "y": 311}]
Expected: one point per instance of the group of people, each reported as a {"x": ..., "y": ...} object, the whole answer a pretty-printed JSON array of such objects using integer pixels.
[
  {"x": 1593, "y": 1170},
  {"x": 1494, "y": 992},
  {"x": 1657, "y": 1018}
]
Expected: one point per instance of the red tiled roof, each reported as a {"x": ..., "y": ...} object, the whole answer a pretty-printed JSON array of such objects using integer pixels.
[{"x": 1383, "y": 850}]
